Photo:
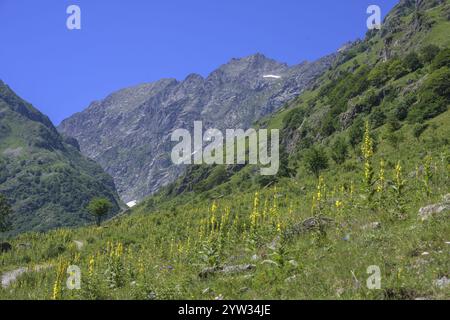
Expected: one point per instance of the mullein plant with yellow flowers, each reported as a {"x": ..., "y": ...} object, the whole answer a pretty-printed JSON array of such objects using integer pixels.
[
  {"x": 115, "y": 272},
  {"x": 254, "y": 216},
  {"x": 367, "y": 153},
  {"x": 398, "y": 187},
  {"x": 319, "y": 198},
  {"x": 381, "y": 185},
  {"x": 60, "y": 276}
]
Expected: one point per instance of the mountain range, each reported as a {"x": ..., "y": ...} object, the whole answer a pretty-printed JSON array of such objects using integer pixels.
[
  {"x": 46, "y": 179},
  {"x": 359, "y": 210},
  {"x": 128, "y": 133}
]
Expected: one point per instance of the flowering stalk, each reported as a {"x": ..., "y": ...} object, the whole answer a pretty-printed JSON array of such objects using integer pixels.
[
  {"x": 399, "y": 185},
  {"x": 381, "y": 177},
  {"x": 428, "y": 174},
  {"x": 367, "y": 152},
  {"x": 318, "y": 197},
  {"x": 255, "y": 214},
  {"x": 59, "y": 278}
]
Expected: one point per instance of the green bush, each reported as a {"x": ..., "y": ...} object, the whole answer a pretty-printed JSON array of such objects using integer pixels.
[
  {"x": 441, "y": 60},
  {"x": 329, "y": 125},
  {"x": 412, "y": 62},
  {"x": 377, "y": 118},
  {"x": 355, "y": 132},
  {"x": 393, "y": 124},
  {"x": 439, "y": 83},
  {"x": 379, "y": 75},
  {"x": 5, "y": 213},
  {"x": 401, "y": 111},
  {"x": 397, "y": 69},
  {"x": 316, "y": 160},
  {"x": 428, "y": 53},
  {"x": 430, "y": 106},
  {"x": 339, "y": 151},
  {"x": 434, "y": 96}
]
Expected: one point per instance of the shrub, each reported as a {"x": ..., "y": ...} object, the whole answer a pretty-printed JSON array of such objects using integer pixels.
[
  {"x": 441, "y": 60},
  {"x": 412, "y": 62},
  {"x": 316, "y": 160},
  {"x": 433, "y": 96},
  {"x": 379, "y": 75},
  {"x": 401, "y": 111},
  {"x": 439, "y": 83},
  {"x": 5, "y": 213},
  {"x": 355, "y": 132},
  {"x": 428, "y": 53},
  {"x": 339, "y": 150},
  {"x": 329, "y": 124},
  {"x": 377, "y": 118},
  {"x": 393, "y": 124},
  {"x": 395, "y": 138},
  {"x": 429, "y": 107},
  {"x": 396, "y": 69}
]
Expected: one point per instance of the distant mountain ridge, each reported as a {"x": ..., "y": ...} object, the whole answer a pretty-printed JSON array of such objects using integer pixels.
[
  {"x": 128, "y": 133},
  {"x": 43, "y": 174}
]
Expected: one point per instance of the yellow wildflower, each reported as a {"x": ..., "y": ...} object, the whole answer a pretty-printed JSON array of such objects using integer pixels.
[{"x": 91, "y": 266}]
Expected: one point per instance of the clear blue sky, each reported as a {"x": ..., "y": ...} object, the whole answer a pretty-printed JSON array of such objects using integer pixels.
[{"x": 123, "y": 43}]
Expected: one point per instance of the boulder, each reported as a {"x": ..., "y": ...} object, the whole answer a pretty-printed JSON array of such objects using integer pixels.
[
  {"x": 5, "y": 247},
  {"x": 307, "y": 225},
  {"x": 427, "y": 212},
  {"x": 372, "y": 226},
  {"x": 270, "y": 263},
  {"x": 205, "y": 273},
  {"x": 442, "y": 282}
]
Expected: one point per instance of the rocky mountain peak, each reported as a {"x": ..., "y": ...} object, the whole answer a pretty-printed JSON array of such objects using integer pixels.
[
  {"x": 128, "y": 133},
  {"x": 250, "y": 66}
]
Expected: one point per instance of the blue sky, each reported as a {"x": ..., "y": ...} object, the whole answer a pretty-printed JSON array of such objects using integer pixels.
[{"x": 123, "y": 43}]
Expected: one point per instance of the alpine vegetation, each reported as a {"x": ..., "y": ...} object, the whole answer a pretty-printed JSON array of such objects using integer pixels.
[{"x": 340, "y": 191}]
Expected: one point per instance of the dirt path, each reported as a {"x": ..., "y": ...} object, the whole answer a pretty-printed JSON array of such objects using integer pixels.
[{"x": 10, "y": 277}]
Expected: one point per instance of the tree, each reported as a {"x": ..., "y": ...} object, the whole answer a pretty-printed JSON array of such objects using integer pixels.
[
  {"x": 428, "y": 53},
  {"x": 438, "y": 82},
  {"x": 99, "y": 207},
  {"x": 316, "y": 160},
  {"x": 396, "y": 69},
  {"x": 377, "y": 118},
  {"x": 442, "y": 59},
  {"x": 340, "y": 150},
  {"x": 412, "y": 62},
  {"x": 401, "y": 110},
  {"x": 356, "y": 132},
  {"x": 379, "y": 75},
  {"x": 393, "y": 124},
  {"x": 5, "y": 213},
  {"x": 434, "y": 96}
]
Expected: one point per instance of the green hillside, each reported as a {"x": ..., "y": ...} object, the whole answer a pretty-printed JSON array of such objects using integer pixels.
[
  {"x": 365, "y": 182},
  {"x": 44, "y": 176}
]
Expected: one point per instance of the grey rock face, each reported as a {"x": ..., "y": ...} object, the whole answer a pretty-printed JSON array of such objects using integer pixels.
[
  {"x": 427, "y": 212},
  {"x": 227, "y": 270},
  {"x": 128, "y": 133}
]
